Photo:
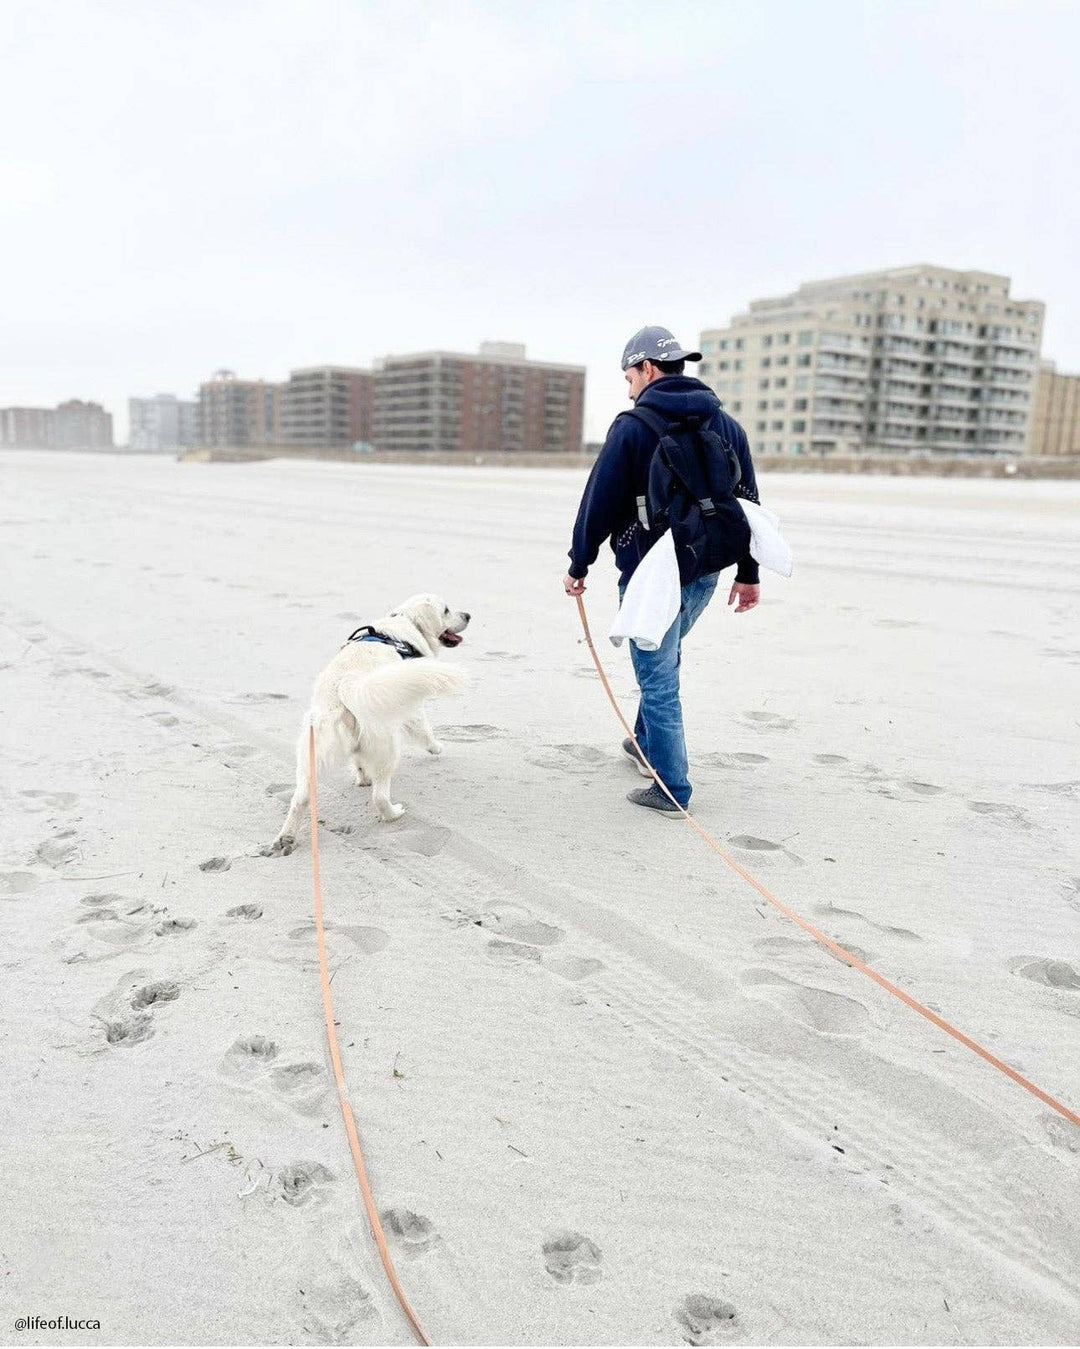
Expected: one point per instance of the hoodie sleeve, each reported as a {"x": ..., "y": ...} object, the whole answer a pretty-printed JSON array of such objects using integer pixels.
[
  {"x": 603, "y": 503},
  {"x": 747, "y": 571}
]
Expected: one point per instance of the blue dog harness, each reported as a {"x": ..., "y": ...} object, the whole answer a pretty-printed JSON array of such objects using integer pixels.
[{"x": 368, "y": 634}]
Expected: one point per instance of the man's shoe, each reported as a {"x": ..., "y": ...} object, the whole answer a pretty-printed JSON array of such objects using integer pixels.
[
  {"x": 654, "y": 799},
  {"x": 631, "y": 751}
]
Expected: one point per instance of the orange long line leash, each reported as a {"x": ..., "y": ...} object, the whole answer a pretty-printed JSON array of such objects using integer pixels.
[
  {"x": 827, "y": 942},
  {"x": 335, "y": 1058}
]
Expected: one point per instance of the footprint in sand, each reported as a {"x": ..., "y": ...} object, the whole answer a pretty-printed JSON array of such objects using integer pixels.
[
  {"x": 367, "y": 940},
  {"x": 130, "y": 1030},
  {"x": 897, "y": 623},
  {"x": 831, "y": 758},
  {"x": 332, "y": 1307},
  {"x": 282, "y": 789},
  {"x": 801, "y": 946},
  {"x": 259, "y": 698},
  {"x": 512, "y": 952},
  {"x": 568, "y": 758},
  {"x": 150, "y": 994},
  {"x": 923, "y": 788},
  {"x": 704, "y": 1320},
  {"x": 16, "y": 883},
  {"x": 411, "y": 1233},
  {"x": 741, "y": 760},
  {"x": 303, "y": 1084},
  {"x": 763, "y": 847},
  {"x": 246, "y": 911},
  {"x": 301, "y": 1183},
  {"x": 573, "y": 968},
  {"x": 769, "y": 721},
  {"x": 500, "y": 655},
  {"x": 571, "y": 1258},
  {"x": 1063, "y": 1133},
  {"x": 216, "y": 864},
  {"x": 472, "y": 733},
  {"x": 1052, "y": 973},
  {"x": 59, "y": 850},
  {"x": 519, "y": 925},
  {"x": 1000, "y": 811},
  {"x": 174, "y": 927},
  {"x": 816, "y": 1008},
  {"x": 1069, "y": 789},
  {"x": 35, "y": 800},
  {"x": 249, "y": 1057},
  {"x": 836, "y": 911},
  {"x": 163, "y": 718}
]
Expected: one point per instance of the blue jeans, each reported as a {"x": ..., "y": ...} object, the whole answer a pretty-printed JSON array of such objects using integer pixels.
[{"x": 659, "y": 725}]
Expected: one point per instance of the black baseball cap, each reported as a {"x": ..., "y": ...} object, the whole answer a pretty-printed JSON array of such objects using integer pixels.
[{"x": 655, "y": 344}]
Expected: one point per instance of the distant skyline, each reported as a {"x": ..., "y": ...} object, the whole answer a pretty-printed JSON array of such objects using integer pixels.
[{"x": 264, "y": 186}]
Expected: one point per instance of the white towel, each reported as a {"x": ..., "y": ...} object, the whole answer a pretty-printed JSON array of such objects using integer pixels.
[
  {"x": 654, "y": 595},
  {"x": 767, "y": 545},
  {"x": 652, "y": 600}
]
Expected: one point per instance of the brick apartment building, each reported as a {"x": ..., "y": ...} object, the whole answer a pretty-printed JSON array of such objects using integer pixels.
[
  {"x": 491, "y": 402},
  {"x": 327, "y": 405}
]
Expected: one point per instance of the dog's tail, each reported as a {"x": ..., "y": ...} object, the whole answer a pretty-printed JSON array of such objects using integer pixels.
[{"x": 395, "y": 693}]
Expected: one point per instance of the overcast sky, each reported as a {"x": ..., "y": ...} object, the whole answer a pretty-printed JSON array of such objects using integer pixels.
[{"x": 261, "y": 186}]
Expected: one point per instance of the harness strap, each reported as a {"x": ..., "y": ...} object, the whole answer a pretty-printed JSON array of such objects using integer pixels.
[{"x": 369, "y": 634}]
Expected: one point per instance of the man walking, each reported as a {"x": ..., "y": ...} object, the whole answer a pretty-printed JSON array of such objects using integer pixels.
[{"x": 653, "y": 362}]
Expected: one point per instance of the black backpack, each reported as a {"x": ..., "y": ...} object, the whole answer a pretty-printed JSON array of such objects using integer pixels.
[{"x": 692, "y": 481}]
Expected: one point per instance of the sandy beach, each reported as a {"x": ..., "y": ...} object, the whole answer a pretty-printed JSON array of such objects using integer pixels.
[{"x": 607, "y": 1096}]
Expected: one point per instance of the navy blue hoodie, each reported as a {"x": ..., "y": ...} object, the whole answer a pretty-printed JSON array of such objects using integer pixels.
[{"x": 621, "y": 474}]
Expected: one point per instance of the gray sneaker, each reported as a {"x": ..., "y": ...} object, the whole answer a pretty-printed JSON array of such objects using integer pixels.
[
  {"x": 631, "y": 751},
  {"x": 654, "y": 799}
]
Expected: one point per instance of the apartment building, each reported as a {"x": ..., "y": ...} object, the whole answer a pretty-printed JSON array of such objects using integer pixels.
[
  {"x": 163, "y": 422},
  {"x": 236, "y": 412},
  {"x": 1057, "y": 413},
  {"x": 915, "y": 358},
  {"x": 82, "y": 426},
  {"x": 494, "y": 401},
  {"x": 28, "y": 428},
  {"x": 327, "y": 405}
]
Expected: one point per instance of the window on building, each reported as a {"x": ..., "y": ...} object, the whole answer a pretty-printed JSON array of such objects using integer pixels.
[
  {"x": 766, "y": 361},
  {"x": 784, "y": 339},
  {"x": 761, "y": 426},
  {"x": 766, "y": 341},
  {"x": 763, "y": 403},
  {"x": 780, "y": 383},
  {"x": 798, "y": 425},
  {"x": 778, "y": 425},
  {"x": 799, "y": 404},
  {"x": 803, "y": 360},
  {"x": 763, "y": 383},
  {"x": 806, "y": 338}
]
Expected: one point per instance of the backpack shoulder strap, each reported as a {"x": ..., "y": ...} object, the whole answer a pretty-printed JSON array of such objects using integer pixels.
[{"x": 652, "y": 419}]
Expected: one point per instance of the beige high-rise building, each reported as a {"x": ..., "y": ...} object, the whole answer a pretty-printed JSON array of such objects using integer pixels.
[
  {"x": 912, "y": 359},
  {"x": 1057, "y": 413}
]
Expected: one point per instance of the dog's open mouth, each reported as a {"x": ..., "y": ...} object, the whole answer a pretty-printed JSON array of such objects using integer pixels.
[{"x": 449, "y": 638}]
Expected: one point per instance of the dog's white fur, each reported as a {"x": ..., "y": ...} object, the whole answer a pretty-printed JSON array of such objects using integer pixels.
[{"x": 366, "y": 697}]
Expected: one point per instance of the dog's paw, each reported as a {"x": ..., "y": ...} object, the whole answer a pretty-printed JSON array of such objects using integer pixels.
[
  {"x": 281, "y": 847},
  {"x": 436, "y": 747},
  {"x": 390, "y": 812}
]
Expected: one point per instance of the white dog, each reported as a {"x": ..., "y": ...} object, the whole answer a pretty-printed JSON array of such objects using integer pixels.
[{"x": 373, "y": 689}]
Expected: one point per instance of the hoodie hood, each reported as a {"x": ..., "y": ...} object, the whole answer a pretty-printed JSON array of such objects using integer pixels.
[{"x": 677, "y": 397}]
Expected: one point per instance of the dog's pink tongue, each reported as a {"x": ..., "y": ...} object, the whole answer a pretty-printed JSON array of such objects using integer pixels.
[{"x": 451, "y": 638}]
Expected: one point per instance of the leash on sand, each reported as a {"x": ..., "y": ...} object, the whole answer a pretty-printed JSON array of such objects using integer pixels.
[
  {"x": 335, "y": 1059},
  {"x": 818, "y": 936}
]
